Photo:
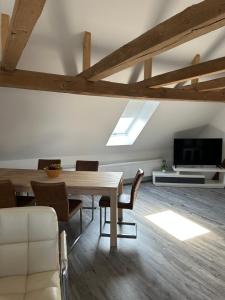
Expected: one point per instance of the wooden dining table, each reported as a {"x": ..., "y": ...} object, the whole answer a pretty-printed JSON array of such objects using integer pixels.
[{"x": 77, "y": 182}]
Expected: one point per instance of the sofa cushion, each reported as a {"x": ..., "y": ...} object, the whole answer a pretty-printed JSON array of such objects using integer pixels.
[
  {"x": 45, "y": 285},
  {"x": 28, "y": 241},
  {"x": 12, "y": 285},
  {"x": 42, "y": 281},
  {"x": 52, "y": 293},
  {"x": 12, "y": 297},
  {"x": 29, "y": 255}
]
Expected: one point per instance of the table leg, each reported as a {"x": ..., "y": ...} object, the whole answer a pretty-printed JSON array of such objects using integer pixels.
[{"x": 113, "y": 219}]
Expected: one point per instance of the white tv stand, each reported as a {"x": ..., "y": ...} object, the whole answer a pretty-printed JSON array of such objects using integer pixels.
[{"x": 190, "y": 176}]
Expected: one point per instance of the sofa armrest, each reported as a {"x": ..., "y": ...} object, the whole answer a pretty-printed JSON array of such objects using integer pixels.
[
  {"x": 64, "y": 265},
  {"x": 63, "y": 253}
]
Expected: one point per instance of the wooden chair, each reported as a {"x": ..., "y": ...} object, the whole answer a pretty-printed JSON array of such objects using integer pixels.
[
  {"x": 125, "y": 201},
  {"x": 43, "y": 163},
  {"x": 88, "y": 165},
  {"x": 55, "y": 195},
  {"x": 8, "y": 196}
]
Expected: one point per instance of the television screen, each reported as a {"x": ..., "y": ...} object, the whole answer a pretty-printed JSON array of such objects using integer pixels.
[{"x": 197, "y": 151}]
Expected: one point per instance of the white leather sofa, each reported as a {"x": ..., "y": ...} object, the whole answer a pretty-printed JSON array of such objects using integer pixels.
[{"x": 29, "y": 254}]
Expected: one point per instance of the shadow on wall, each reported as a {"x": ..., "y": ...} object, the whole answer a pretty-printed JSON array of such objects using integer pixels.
[
  {"x": 66, "y": 40},
  {"x": 206, "y": 131},
  {"x": 158, "y": 18}
]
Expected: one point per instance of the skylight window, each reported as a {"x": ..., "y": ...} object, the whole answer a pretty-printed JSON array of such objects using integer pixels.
[
  {"x": 132, "y": 121},
  {"x": 122, "y": 125}
]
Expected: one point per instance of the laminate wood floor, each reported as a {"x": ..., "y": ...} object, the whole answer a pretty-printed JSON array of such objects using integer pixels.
[{"x": 156, "y": 266}]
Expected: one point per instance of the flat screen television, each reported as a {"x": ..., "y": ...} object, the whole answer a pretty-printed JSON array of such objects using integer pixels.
[{"x": 198, "y": 151}]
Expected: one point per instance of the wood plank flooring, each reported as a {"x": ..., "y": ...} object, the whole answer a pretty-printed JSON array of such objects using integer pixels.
[{"x": 156, "y": 266}]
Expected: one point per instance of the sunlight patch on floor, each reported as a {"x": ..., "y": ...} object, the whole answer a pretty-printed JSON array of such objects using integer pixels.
[{"x": 179, "y": 227}]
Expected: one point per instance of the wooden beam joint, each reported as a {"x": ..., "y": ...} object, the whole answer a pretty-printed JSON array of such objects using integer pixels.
[
  {"x": 148, "y": 68},
  {"x": 195, "y": 61},
  {"x": 86, "y": 50}
]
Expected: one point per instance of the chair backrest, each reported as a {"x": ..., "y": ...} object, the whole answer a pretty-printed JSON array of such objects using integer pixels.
[
  {"x": 135, "y": 186},
  {"x": 7, "y": 194},
  {"x": 43, "y": 163},
  {"x": 53, "y": 195},
  {"x": 28, "y": 241},
  {"x": 87, "y": 165}
]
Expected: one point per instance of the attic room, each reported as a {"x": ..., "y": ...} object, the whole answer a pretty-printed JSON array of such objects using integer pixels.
[{"x": 112, "y": 155}]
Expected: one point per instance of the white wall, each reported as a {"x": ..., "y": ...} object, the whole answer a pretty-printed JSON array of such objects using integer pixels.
[{"x": 40, "y": 124}]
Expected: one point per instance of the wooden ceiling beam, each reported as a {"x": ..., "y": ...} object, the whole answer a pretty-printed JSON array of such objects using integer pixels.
[
  {"x": 191, "y": 23},
  {"x": 4, "y": 30},
  {"x": 86, "y": 50},
  {"x": 24, "y": 17},
  {"x": 205, "y": 68},
  {"x": 148, "y": 68},
  {"x": 195, "y": 61},
  {"x": 69, "y": 84},
  {"x": 213, "y": 84}
]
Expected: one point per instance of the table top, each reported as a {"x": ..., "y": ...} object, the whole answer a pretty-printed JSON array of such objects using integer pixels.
[{"x": 80, "y": 180}]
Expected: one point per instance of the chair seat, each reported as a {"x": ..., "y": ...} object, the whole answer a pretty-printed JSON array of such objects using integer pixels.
[
  {"x": 74, "y": 206},
  {"x": 123, "y": 201},
  {"x": 43, "y": 285},
  {"x": 25, "y": 201}
]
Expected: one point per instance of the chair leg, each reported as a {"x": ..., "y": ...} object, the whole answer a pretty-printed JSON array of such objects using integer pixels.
[
  {"x": 105, "y": 215},
  {"x": 93, "y": 207},
  {"x": 81, "y": 222},
  {"x": 81, "y": 230},
  {"x": 100, "y": 221},
  {"x": 130, "y": 236},
  {"x": 120, "y": 214}
]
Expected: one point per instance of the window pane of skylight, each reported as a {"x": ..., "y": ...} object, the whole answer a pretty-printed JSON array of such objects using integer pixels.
[
  {"x": 122, "y": 125},
  {"x": 119, "y": 140}
]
